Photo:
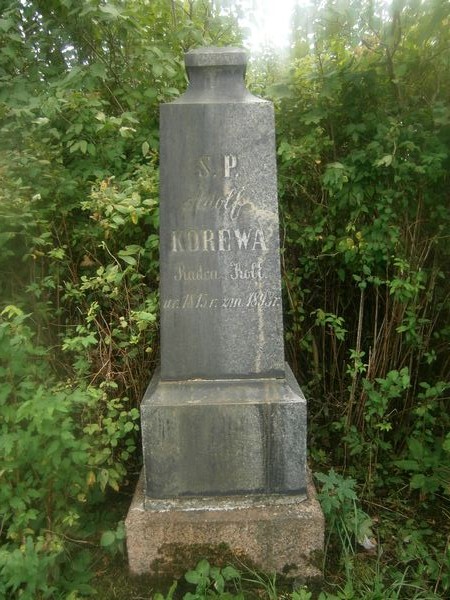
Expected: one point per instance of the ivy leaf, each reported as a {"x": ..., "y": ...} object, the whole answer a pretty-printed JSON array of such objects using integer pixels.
[
  {"x": 203, "y": 567},
  {"x": 229, "y": 573},
  {"x": 386, "y": 161},
  {"x": 157, "y": 69},
  {"x": 6, "y": 24},
  {"x": 108, "y": 538},
  {"x": 219, "y": 583},
  {"x": 98, "y": 70},
  {"x": 418, "y": 481},
  {"x": 192, "y": 577},
  {"x": 407, "y": 465},
  {"x": 416, "y": 448}
]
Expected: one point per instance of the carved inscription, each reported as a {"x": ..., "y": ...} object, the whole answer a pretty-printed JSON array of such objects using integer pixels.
[
  {"x": 220, "y": 240},
  {"x": 200, "y": 274},
  {"x": 242, "y": 242},
  {"x": 264, "y": 299},
  {"x": 230, "y": 204},
  {"x": 230, "y": 163},
  {"x": 211, "y": 166},
  {"x": 236, "y": 271}
]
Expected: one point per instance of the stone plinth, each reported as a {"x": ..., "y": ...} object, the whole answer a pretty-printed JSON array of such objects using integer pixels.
[
  {"x": 209, "y": 438},
  {"x": 275, "y": 533}
]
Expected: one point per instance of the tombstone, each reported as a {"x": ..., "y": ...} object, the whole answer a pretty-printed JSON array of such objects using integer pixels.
[{"x": 223, "y": 419}]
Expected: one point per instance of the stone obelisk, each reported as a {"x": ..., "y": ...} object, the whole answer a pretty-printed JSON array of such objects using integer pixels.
[{"x": 223, "y": 419}]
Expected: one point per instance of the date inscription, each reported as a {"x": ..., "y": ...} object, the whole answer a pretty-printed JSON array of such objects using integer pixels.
[{"x": 254, "y": 300}]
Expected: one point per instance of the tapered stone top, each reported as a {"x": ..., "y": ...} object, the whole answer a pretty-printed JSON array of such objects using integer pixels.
[
  {"x": 216, "y": 75},
  {"x": 221, "y": 315}
]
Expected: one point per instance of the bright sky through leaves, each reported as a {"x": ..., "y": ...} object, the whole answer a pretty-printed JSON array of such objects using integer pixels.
[{"x": 271, "y": 23}]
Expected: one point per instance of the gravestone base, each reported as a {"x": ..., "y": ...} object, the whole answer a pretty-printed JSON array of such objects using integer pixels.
[
  {"x": 274, "y": 533},
  {"x": 224, "y": 437}
]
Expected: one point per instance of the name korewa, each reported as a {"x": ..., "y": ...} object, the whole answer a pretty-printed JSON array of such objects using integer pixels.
[{"x": 220, "y": 240}]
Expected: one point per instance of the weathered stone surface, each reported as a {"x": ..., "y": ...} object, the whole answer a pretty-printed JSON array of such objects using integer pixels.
[
  {"x": 273, "y": 533},
  {"x": 224, "y": 437},
  {"x": 220, "y": 268},
  {"x": 224, "y": 415}
]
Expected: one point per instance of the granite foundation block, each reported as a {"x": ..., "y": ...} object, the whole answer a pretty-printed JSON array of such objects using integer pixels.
[{"x": 283, "y": 534}]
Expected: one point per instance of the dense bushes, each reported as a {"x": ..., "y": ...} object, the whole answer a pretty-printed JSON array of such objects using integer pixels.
[
  {"x": 363, "y": 128},
  {"x": 62, "y": 444},
  {"x": 364, "y": 161}
]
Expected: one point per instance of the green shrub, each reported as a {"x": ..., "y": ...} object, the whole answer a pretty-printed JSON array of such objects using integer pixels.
[{"x": 62, "y": 444}]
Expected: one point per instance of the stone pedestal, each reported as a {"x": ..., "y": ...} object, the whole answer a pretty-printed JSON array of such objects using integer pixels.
[
  {"x": 274, "y": 533},
  {"x": 209, "y": 438}
]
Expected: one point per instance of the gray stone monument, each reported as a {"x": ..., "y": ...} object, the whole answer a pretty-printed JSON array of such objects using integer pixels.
[{"x": 223, "y": 420}]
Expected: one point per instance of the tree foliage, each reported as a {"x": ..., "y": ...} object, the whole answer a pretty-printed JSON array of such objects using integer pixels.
[{"x": 364, "y": 159}]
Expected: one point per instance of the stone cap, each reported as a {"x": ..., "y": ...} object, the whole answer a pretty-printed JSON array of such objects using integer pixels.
[
  {"x": 216, "y": 75},
  {"x": 213, "y": 56}
]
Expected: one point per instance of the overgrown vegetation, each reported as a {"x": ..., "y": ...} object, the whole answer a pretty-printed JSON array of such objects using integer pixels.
[{"x": 363, "y": 126}]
